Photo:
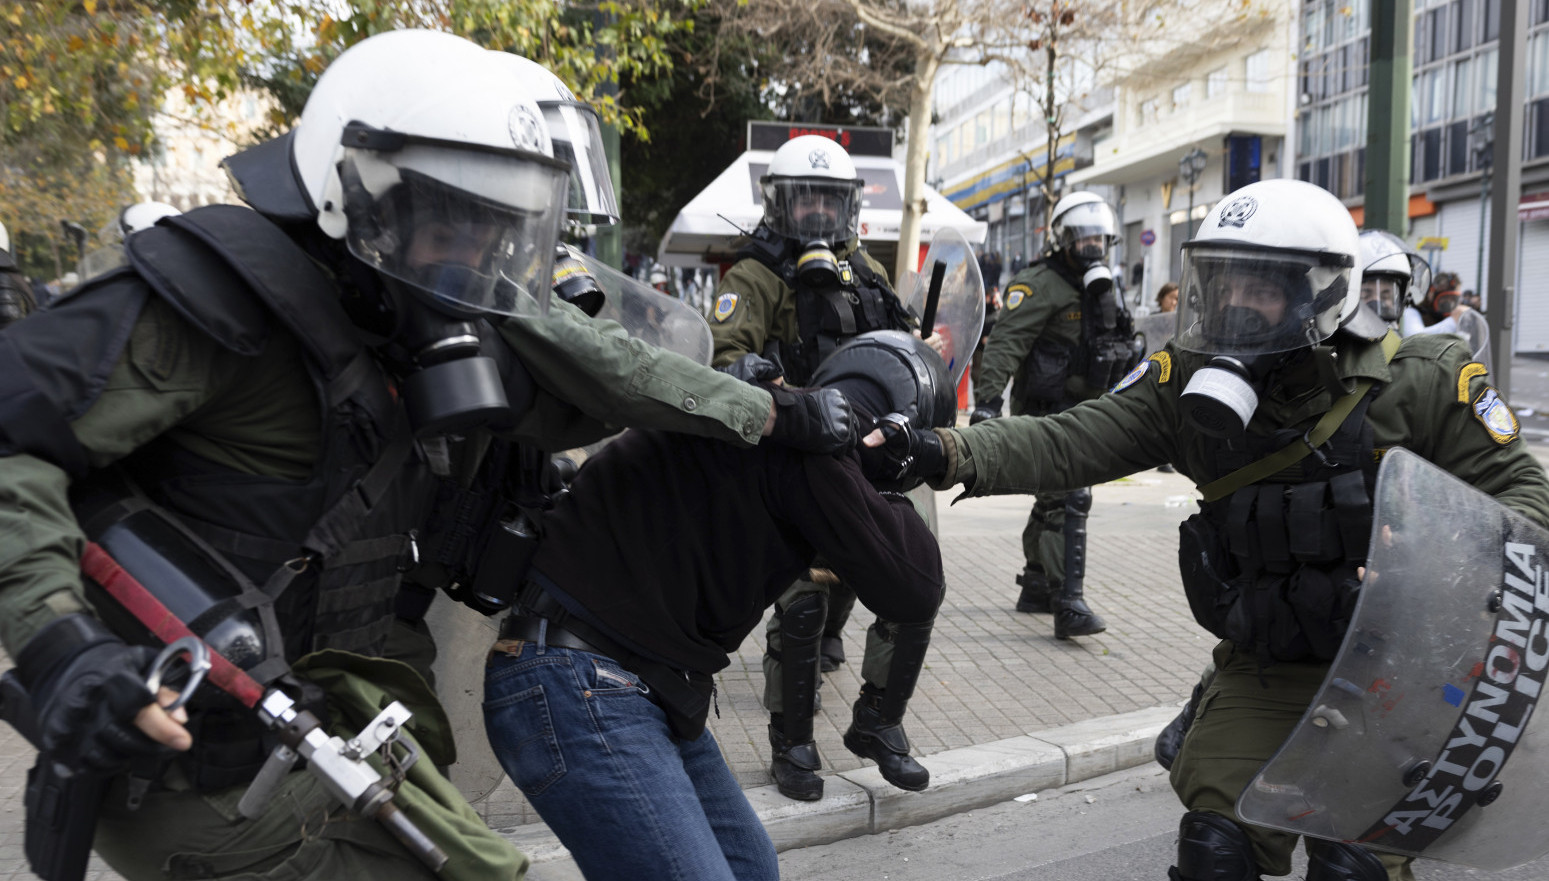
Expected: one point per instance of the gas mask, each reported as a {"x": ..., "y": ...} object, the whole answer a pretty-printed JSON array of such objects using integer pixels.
[
  {"x": 1220, "y": 399},
  {"x": 575, "y": 284},
  {"x": 450, "y": 387},
  {"x": 1098, "y": 280}
]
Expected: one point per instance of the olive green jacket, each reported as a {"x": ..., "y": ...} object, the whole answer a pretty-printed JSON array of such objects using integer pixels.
[
  {"x": 1426, "y": 405},
  {"x": 762, "y": 306},
  {"x": 258, "y": 415},
  {"x": 1039, "y": 304}
]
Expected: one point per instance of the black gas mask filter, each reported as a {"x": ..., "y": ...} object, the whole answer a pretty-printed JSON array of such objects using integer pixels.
[{"x": 817, "y": 267}]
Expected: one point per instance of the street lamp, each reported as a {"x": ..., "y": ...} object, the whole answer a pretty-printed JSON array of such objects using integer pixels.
[
  {"x": 1482, "y": 133},
  {"x": 1190, "y": 167}
]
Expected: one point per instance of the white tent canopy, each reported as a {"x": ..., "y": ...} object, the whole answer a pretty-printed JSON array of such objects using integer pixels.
[{"x": 703, "y": 232}]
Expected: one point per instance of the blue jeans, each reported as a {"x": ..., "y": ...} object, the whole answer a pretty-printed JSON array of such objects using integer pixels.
[{"x": 594, "y": 756}]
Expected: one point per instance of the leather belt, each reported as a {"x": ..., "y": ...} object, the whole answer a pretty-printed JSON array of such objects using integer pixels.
[{"x": 527, "y": 627}]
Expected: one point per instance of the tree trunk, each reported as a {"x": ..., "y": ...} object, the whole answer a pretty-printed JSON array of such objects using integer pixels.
[{"x": 915, "y": 150}]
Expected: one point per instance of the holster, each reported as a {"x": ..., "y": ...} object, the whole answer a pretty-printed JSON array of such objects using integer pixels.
[{"x": 61, "y": 804}]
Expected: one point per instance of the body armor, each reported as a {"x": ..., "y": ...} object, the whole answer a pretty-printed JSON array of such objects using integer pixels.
[
  {"x": 324, "y": 555},
  {"x": 1272, "y": 566},
  {"x": 862, "y": 301}
]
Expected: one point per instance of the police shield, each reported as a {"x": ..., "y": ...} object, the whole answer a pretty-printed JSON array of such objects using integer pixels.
[
  {"x": 650, "y": 315},
  {"x": 1419, "y": 741},
  {"x": 960, "y": 304}
]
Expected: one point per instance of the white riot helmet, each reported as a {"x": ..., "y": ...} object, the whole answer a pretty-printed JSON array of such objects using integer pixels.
[
  {"x": 5, "y": 239},
  {"x": 577, "y": 135},
  {"x": 1272, "y": 269},
  {"x": 1393, "y": 274},
  {"x": 811, "y": 192},
  {"x": 430, "y": 160},
  {"x": 142, "y": 216},
  {"x": 1078, "y": 217}
]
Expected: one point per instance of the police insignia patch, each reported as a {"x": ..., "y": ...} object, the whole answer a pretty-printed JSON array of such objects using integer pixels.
[
  {"x": 1014, "y": 297},
  {"x": 725, "y": 305},
  {"x": 1133, "y": 377},
  {"x": 1496, "y": 416}
]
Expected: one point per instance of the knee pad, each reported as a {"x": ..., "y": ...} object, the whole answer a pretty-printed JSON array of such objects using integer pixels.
[
  {"x": 802, "y": 620},
  {"x": 1337, "y": 861},
  {"x": 1213, "y": 848},
  {"x": 1078, "y": 502}
]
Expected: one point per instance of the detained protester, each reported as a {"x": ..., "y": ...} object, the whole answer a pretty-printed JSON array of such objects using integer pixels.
[
  {"x": 249, "y": 421},
  {"x": 803, "y": 284},
  {"x": 1278, "y": 397},
  {"x": 654, "y": 567}
]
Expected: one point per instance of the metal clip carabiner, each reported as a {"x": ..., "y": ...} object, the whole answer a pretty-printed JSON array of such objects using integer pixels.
[{"x": 198, "y": 666}]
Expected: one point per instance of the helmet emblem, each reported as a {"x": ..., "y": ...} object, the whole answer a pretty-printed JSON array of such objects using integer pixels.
[
  {"x": 526, "y": 129},
  {"x": 818, "y": 158},
  {"x": 1238, "y": 211}
]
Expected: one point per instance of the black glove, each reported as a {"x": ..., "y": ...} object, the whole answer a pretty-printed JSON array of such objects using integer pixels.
[
  {"x": 753, "y": 368},
  {"x": 916, "y": 454},
  {"x": 812, "y": 420},
  {"x": 988, "y": 410},
  {"x": 87, "y": 686}
]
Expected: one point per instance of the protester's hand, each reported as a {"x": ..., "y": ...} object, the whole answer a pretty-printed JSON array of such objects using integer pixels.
[
  {"x": 819, "y": 575},
  {"x": 917, "y": 454},
  {"x": 754, "y": 368},
  {"x": 812, "y": 420},
  {"x": 936, "y": 341}
]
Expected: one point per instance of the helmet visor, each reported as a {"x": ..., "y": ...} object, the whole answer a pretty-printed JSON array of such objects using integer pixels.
[
  {"x": 469, "y": 231},
  {"x": 812, "y": 208},
  {"x": 577, "y": 136},
  {"x": 1385, "y": 294},
  {"x": 1252, "y": 301}
]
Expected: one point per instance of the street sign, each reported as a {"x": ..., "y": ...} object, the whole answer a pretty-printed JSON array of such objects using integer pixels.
[
  {"x": 1148, "y": 237},
  {"x": 1432, "y": 243}
]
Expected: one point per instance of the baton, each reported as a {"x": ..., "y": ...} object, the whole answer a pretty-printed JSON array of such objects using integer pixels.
[{"x": 938, "y": 272}]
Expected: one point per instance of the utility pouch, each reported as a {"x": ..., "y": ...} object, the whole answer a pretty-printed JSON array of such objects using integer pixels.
[
  {"x": 503, "y": 566},
  {"x": 1208, "y": 574},
  {"x": 1111, "y": 358},
  {"x": 1045, "y": 370},
  {"x": 62, "y": 810}
]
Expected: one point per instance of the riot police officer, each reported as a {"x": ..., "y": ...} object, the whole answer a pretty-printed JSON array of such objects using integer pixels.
[
  {"x": 15, "y": 294},
  {"x": 1277, "y": 397},
  {"x": 1064, "y": 336},
  {"x": 801, "y": 286},
  {"x": 1392, "y": 274},
  {"x": 284, "y": 387}
]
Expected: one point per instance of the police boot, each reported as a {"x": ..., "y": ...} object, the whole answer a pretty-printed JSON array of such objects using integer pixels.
[
  {"x": 794, "y": 766},
  {"x": 1170, "y": 741},
  {"x": 877, "y": 729},
  {"x": 1035, "y": 591},
  {"x": 832, "y": 654},
  {"x": 1072, "y": 616},
  {"x": 794, "y": 761}
]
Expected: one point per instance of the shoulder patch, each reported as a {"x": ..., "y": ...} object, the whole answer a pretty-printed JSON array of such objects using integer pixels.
[
  {"x": 725, "y": 305},
  {"x": 1496, "y": 416},
  {"x": 1132, "y": 377},
  {"x": 1165, "y": 361},
  {"x": 1469, "y": 371},
  {"x": 1016, "y": 294}
]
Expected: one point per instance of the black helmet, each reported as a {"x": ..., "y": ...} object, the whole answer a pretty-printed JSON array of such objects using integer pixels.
[{"x": 885, "y": 372}]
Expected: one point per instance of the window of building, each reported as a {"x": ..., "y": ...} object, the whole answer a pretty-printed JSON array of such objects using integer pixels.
[
  {"x": 982, "y": 128},
  {"x": 1257, "y": 71},
  {"x": 1538, "y": 63},
  {"x": 1000, "y": 120},
  {"x": 1215, "y": 82},
  {"x": 1181, "y": 96},
  {"x": 1148, "y": 111}
]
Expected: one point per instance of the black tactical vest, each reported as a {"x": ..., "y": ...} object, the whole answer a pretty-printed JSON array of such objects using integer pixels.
[
  {"x": 825, "y": 318},
  {"x": 1271, "y": 567},
  {"x": 1101, "y": 357},
  {"x": 327, "y": 550}
]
